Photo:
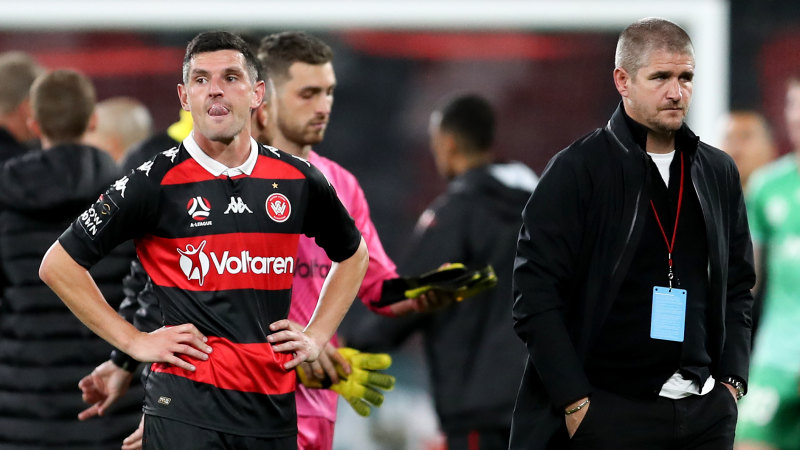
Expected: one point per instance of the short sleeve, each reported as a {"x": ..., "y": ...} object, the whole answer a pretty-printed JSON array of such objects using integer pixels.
[
  {"x": 124, "y": 211},
  {"x": 327, "y": 221}
]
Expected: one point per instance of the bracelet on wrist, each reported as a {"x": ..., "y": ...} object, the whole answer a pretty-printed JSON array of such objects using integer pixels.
[{"x": 577, "y": 408}]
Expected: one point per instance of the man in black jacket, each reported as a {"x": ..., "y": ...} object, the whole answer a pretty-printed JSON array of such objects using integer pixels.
[
  {"x": 44, "y": 349},
  {"x": 633, "y": 273},
  {"x": 475, "y": 361}
]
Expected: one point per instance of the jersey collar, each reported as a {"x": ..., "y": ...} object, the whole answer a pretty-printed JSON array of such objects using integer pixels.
[{"x": 215, "y": 167}]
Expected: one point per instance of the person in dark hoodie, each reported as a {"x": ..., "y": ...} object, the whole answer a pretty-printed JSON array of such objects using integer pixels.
[
  {"x": 475, "y": 359},
  {"x": 44, "y": 349}
]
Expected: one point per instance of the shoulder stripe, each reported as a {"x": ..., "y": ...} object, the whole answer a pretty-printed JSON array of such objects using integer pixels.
[
  {"x": 187, "y": 171},
  {"x": 275, "y": 169}
]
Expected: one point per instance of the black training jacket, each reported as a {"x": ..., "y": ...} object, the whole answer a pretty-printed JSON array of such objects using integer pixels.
[
  {"x": 474, "y": 359},
  {"x": 44, "y": 349},
  {"x": 581, "y": 228}
]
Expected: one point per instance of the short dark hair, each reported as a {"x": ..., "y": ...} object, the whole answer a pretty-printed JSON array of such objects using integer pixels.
[
  {"x": 470, "y": 117},
  {"x": 279, "y": 51},
  {"x": 63, "y": 102},
  {"x": 645, "y": 35},
  {"x": 212, "y": 41}
]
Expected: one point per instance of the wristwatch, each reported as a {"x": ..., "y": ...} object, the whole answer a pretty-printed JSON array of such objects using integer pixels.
[{"x": 738, "y": 385}]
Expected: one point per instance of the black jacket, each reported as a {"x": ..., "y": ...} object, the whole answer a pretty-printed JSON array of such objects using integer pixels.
[
  {"x": 9, "y": 147},
  {"x": 44, "y": 349},
  {"x": 580, "y": 230},
  {"x": 474, "y": 358}
]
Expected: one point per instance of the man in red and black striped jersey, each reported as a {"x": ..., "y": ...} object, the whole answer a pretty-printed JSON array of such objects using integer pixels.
[{"x": 216, "y": 223}]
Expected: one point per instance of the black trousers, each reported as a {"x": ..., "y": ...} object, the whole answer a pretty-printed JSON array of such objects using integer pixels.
[
  {"x": 706, "y": 422},
  {"x": 166, "y": 434}
]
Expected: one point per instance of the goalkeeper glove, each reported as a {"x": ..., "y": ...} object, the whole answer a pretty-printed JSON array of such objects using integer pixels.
[
  {"x": 454, "y": 279},
  {"x": 360, "y": 387}
]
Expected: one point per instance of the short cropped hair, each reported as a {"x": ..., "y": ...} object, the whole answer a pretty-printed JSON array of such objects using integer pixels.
[
  {"x": 63, "y": 102},
  {"x": 472, "y": 119},
  {"x": 280, "y": 50},
  {"x": 18, "y": 70},
  {"x": 212, "y": 41},
  {"x": 642, "y": 37}
]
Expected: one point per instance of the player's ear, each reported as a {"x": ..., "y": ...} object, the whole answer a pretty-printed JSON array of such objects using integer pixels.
[{"x": 183, "y": 96}]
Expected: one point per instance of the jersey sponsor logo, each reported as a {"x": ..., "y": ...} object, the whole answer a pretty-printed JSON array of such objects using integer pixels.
[
  {"x": 97, "y": 216},
  {"x": 120, "y": 185},
  {"x": 278, "y": 207},
  {"x": 237, "y": 206},
  {"x": 313, "y": 269},
  {"x": 199, "y": 208},
  {"x": 164, "y": 400},
  {"x": 196, "y": 263}
]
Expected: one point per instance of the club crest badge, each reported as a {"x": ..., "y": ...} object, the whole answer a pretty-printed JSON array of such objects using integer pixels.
[{"x": 278, "y": 207}]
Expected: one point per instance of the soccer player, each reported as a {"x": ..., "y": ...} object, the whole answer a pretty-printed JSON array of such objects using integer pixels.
[
  {"x": 301, "y": 67},
  {"x": 216, "y": 222}
]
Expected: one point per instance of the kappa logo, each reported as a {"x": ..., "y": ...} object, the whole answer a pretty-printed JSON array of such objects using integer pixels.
[
  {"x": 237, "y": 206},
  {"x": 120, "y": 185},
  {"x": 194, "y": 262},
  {"x": 278, "y": 207},
  {"x": 199, "y": 208},
  {"x": 145, "y": 167},
  {"x": 171, "y": 154}
]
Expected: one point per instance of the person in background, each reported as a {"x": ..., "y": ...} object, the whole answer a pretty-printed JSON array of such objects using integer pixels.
[
  {"x": 17, "y": 72},
  {"x": 633, "y": 273},
  {"x": 122, "y": 122},
  {"x": 44, "y": 349},
  {"x": 748, "y": 139},
  {"x": 769, "y": 418},
  {"x": 476, "y": 222}
]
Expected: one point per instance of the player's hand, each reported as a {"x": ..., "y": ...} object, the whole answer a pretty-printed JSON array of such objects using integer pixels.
[
  {"x": 101, "y": 388},
  {"x": 286, "y": 339},
  {"x": 433, "y": 300},
  {"x": 733, "y": 392},
  {"x": 325, "y": 370},
  {"x": 134, "y": 441},
  {"x": 167, "y": 343}
]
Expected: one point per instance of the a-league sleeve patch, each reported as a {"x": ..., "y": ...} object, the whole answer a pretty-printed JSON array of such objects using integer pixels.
[{"x": 94, "y": 219}]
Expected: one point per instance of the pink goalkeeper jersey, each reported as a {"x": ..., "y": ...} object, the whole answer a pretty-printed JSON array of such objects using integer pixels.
[{"x": 313, "y": 266}]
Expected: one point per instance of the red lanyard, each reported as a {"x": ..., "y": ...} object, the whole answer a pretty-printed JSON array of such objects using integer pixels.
[{"x": 671, "y": 246}]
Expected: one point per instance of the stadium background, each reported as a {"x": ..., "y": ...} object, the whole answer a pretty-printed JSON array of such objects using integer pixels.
[{"x": 545, "y": 65}]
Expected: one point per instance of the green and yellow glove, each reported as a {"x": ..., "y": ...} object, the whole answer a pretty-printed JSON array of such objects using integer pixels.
[
  {"x": 454, "y": 279},
  {"x": 360, "y": 387}
]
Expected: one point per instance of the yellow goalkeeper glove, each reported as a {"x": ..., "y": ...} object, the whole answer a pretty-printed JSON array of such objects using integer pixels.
[{"x": 360, "y": 387}]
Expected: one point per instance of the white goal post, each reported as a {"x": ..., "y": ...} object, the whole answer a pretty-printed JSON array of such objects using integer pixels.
[{"x": 707, "y": 21}]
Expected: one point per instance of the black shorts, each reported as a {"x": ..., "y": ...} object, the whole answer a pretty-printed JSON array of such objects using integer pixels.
[{"x": 162, "y": 434}]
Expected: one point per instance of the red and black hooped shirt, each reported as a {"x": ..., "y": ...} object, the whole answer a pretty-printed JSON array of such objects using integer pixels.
[{"x": 221, "y": 252}]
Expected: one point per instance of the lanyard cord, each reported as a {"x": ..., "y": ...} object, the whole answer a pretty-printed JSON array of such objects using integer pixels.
[{"x": 671, "y": 246}]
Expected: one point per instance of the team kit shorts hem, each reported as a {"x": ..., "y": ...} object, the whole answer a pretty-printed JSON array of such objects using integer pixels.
[
  {"x": 260, "y": 434},
  {"x": 770, "y": 412}
]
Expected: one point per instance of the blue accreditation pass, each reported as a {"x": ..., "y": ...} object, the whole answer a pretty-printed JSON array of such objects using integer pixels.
[{"x": 669, "y": 314}]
